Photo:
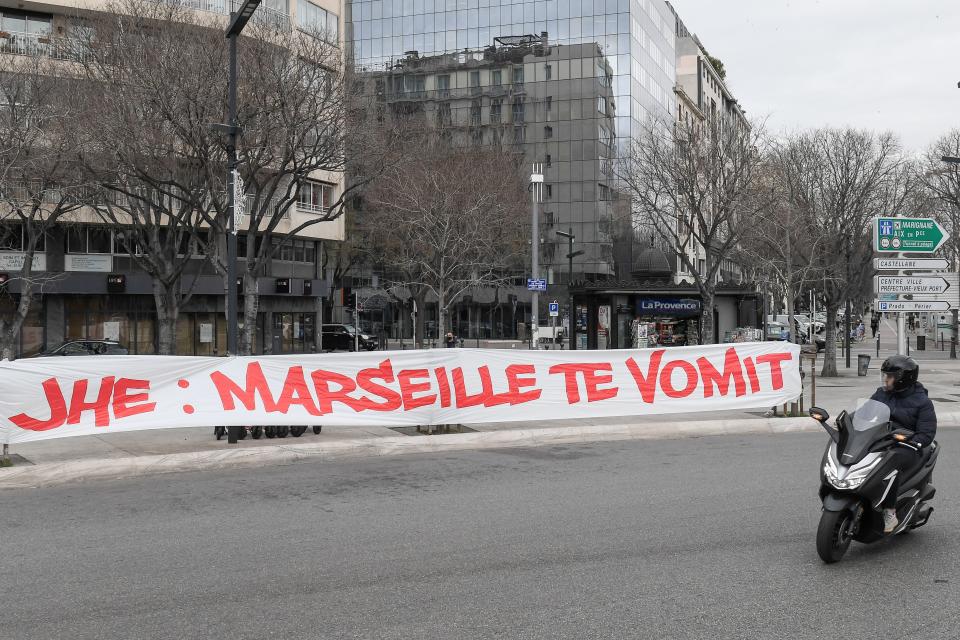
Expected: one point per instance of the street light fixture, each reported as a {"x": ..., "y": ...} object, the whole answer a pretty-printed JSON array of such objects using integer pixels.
[
  {"x": 571, "y": 254},
  {"x": 950, "y": 159},
  {"x": 238, "y": 20}
]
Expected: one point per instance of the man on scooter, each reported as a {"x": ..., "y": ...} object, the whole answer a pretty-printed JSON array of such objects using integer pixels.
[{"x": 910, "y": 408}]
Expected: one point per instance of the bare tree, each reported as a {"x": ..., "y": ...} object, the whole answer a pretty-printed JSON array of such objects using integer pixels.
[
  {"x": 941, "y": 181},
  {"x": 453, "y": 220},
  {"x": 299, "y": 112},
  {"x": 840, "y": 179},
  {"x": 695, "y": 185},
  {"x": 152, "y": 86},
  {"x": 40, "y": 179},
  {"x": 777, "y": 247}
]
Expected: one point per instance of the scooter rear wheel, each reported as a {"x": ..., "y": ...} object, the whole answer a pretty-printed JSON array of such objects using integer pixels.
[{"x": 833, "y": 535}]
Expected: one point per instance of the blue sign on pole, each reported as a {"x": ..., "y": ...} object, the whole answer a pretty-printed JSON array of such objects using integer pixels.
[
  {"x": 554, "y": 309},
  {"x": 536, "y": 285}
]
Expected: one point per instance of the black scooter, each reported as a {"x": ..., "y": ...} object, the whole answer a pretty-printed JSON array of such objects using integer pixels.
[{"x": 856, "y": 476}]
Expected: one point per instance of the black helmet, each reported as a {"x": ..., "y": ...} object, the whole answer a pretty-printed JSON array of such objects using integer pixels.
[{"x": 904, "y": 370}]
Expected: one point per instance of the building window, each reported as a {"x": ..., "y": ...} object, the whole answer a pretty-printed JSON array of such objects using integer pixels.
[
  {"x": 548, "y": 160},
  {"x": 547, "y": 72},
  {"x": 549, "y": 103},
  {"x": 518, "y": 110},
  {"x": 89, "y": 240},
  {"x": 474, "y": 82},
  {"x": 297, "y": 251},
  {"x": 604, "y": 192},
  {"x": 316, "y": 197},
  {"x": 496, "y": 77},
  {"x": 519, "y": 134},
  {"x": 444, "y": 115},
  {"x": 17, "y": 22},
  {"x": 548, "y": 132},
  {"x": 324, "y": 23},
  {"x": 495, "y": 111},
  {"x": 602, "y": 105},
  {"x": 475, "y": 113},
  {"x": 14, "y": 238},
  {"x": 518, "y": 75},
  {"x": 548, "y": 191},
  {"x": 443, "y": 85}
]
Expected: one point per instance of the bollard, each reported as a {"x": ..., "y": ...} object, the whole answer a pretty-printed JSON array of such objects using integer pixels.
[
  {"x": 908, "y": 346},
  {"x": 5, "y": 458},
  {"x": 878, "y": 347}
]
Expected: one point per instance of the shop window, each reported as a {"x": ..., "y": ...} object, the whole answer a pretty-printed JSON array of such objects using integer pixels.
[
  {"x": 99, "y": 240},
  {"x": 77, "y": 240}
]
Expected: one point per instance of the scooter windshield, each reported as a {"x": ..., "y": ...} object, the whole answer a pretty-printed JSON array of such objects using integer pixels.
[
  {"x": 868, "y": 414},
  {"x": 864, "y": 422}
]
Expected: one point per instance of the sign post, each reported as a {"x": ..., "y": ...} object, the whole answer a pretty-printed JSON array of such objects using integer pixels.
[{"x": 906, "y": 237}]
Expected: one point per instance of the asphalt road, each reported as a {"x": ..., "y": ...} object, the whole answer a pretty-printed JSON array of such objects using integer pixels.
[{"x": 696, "y": 538}]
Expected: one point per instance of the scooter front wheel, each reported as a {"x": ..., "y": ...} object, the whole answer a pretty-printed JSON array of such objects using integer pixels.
[{"x": 834, "y": 535}]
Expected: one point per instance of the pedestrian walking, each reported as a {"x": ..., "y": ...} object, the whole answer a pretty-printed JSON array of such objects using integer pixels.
[
  {"x": 875, "y": 325},
  {"x": 451, "y": 340}
]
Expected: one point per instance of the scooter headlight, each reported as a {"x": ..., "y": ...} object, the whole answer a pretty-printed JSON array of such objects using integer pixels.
[{"x": 852, "y": 480}]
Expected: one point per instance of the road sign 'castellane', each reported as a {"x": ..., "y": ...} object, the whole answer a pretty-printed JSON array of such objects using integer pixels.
[{"x": 907, "y": 235}]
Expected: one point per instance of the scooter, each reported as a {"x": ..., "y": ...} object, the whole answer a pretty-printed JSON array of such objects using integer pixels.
[{"x": 855, "y": 478}]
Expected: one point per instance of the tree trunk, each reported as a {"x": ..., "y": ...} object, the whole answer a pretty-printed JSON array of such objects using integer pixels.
[
  {"x": 10, "y": 331},
  {"x": 318, "y": 326},
  {"x": 830, "y": 351},
  {"x": 168, "y": 310},
  {"x": 441, "y": 316},
  {"x": 420, "y": 322},
  {"x": 706, "y": 317},
  {"x": 251, "y": 301},
  {"x": 790, "y": 320}
]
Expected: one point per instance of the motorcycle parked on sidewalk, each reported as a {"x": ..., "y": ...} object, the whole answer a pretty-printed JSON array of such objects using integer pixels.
[{"x": 855, "y": 478}]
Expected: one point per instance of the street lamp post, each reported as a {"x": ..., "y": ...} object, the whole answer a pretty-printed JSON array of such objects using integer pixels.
[
  {"x": 571, "y": 254},
  {"x": 238, "y": 20},
  {"x": 953, "y": 312},
  {"x": 536, "y": 190}
]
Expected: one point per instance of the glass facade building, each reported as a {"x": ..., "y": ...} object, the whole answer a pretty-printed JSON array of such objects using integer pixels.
[{"x": 636, "y": 38}]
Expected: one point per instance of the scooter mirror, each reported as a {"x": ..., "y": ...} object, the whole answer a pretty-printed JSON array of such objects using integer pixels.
[{"x": 818, "y": 414}]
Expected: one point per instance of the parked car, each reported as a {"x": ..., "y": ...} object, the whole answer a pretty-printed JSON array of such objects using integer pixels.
[
  {"x": 86, "y": 348},
  {"x": 341, "y": 337}
]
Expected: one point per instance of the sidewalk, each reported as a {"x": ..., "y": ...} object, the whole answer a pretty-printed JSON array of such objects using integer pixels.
[{"x": 191, "y": 448}]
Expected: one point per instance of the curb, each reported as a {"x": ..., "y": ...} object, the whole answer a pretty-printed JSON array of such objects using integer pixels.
[{"x": 60, "y": 473}]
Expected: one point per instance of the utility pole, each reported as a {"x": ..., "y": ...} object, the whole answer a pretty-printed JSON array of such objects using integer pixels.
[
  {"x": 536, "y": 191},
  {"x": 571, "y": 254},
  {"x": 238, "y": 20}
]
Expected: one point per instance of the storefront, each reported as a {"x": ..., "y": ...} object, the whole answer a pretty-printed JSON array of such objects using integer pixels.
[{"x": 624, "y": 315}]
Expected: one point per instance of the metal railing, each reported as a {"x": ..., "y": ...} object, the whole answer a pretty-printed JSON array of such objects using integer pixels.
[{"x": 41, "y": 44}]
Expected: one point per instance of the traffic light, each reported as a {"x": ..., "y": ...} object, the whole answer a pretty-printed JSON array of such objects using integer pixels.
[{"x": 346, "y": 297}]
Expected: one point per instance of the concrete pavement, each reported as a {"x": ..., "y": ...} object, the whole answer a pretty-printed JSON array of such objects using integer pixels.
[{"x": 671, "y": 539}]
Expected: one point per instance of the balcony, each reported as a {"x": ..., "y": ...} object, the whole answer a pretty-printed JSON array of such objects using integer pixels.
[
  {"x": 276, "y": 16},
  {"x": 41, "y": 44}
]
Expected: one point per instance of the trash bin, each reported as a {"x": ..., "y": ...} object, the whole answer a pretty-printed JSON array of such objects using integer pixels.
[
  {"x": 863, "y": 363},
  {"x": 921, "y": 343}
]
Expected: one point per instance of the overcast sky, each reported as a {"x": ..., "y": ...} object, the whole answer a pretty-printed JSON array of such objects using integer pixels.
[{"x": 876, "y": 64}]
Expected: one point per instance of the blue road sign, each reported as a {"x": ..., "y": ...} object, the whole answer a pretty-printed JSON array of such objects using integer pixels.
[
  {"x": 536, "y": 285},
  {"x": 554, "y": 309}
]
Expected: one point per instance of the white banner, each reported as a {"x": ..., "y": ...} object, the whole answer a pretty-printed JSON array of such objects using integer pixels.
[{"x": 66, "y": 396}]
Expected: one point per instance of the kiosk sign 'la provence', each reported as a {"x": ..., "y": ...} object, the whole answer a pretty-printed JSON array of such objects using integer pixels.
[{"x": 676, "y": 307}]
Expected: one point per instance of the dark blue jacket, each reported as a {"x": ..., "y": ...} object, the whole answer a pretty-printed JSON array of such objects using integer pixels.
[{"x": 911, "y": 409}]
